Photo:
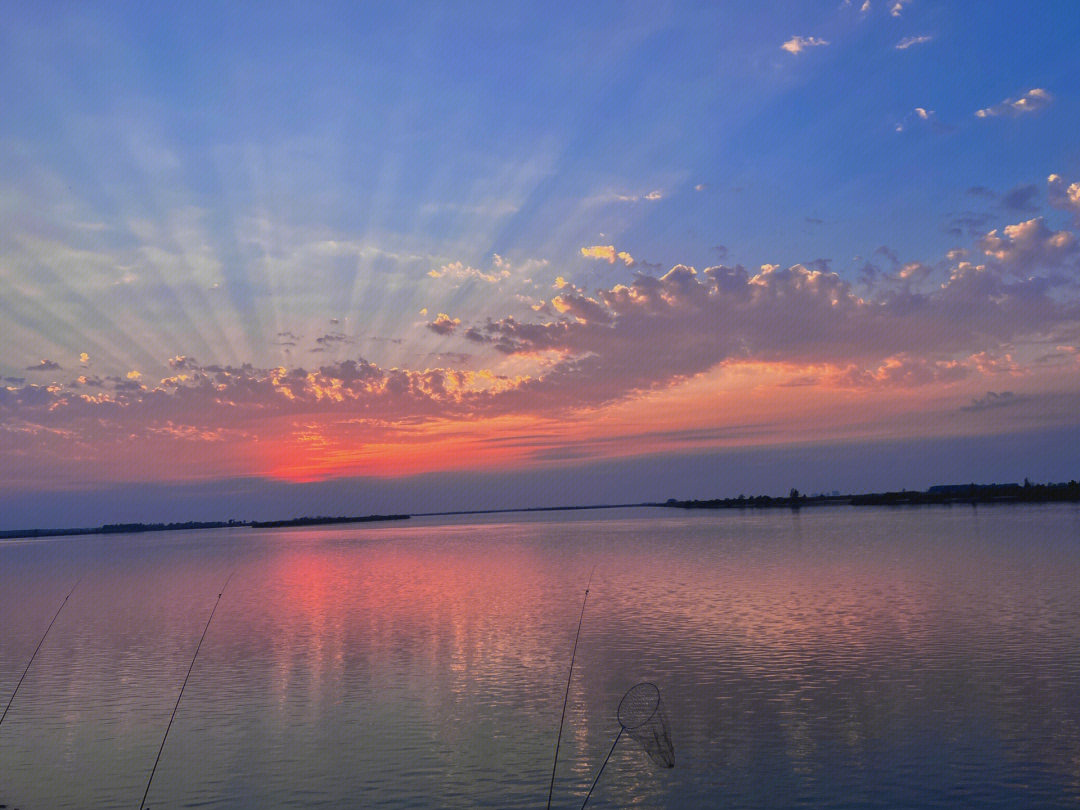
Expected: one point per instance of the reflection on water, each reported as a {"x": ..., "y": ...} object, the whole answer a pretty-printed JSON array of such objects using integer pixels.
[{"x": 828, "y": 658}]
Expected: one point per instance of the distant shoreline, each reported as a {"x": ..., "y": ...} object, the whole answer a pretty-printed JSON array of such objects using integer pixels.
[{"x": 947, "y": 494}]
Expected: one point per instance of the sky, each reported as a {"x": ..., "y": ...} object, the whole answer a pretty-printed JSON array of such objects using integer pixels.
[{"x": 267, "y": 259}]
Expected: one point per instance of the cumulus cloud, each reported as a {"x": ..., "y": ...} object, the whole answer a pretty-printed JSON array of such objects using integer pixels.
[
  {"x": 599, "y": 346},
  {"x": 1032, "y": 101},
  {"x": 444, "y": 324},
  {"x": 1030, "y": 245},
  {"x": 797, "y": 44},
  {"x": 796, "y": 314},
  {"x": 1065, "y": 197},
  {"x": 897, "y": 8},
  {"x": 934, "y": 323},
  {"x": 908, "y": 42},
  {"x": 608, "y": 254}
]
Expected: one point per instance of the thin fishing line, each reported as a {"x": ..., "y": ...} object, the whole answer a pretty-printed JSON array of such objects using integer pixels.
[
  {"x": 191, "y": 666},
  {"x": 566, "y": 697},
  {"x": 38, "y": 647}
]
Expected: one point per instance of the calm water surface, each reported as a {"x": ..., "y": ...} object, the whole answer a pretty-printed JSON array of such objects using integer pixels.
[{"x": 833, "y": 658}]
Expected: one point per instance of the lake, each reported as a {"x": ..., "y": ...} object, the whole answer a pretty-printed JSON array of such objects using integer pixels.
[{"x": 829, "y": 658}]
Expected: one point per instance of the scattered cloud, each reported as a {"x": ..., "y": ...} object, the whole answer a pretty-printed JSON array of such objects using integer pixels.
[
  {"x": 444, "y": 324},
  {"x": 701, "y": 187},
  {"x": 914, "y": 271},
  {"x": 897, "y": 7},
  {"x": 908, "y": 42},
  {"x": 1065, "y": 197},
  {"x": 608, "y": 254},
  {"x": 1032, "y": 101},
  {"x": 181, "y": 361},
  {"x": 45, "y": 365},
  {"x": 888, "y": 253},
  {"x": 921, "y": 116},
  {"x": 648, "y": 196},
  {"x": 1027, "y": 246},
  {"x": 993, "y": 399},
  {"x": 797, "y": 44},
  {"x": 1021, "y": 198},
  {"x": 968, "y": 223},
  {"x": 457, "y": 271},
  {"x": 333, "y": 337}
]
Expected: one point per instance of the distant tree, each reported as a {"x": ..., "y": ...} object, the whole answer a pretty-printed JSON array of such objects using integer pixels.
[{"x": 794, "y": 494}]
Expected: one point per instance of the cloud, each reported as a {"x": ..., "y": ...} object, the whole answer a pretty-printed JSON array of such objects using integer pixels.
[
  {"x": 444, "y": 324},
  {"x": 1021, "y": 198},
  {"x": 648, "y": 196},
  {"x": 899, "y": 371},
  {"x": 797, "y": 45},
  {"x": 897, "y": 7},
  {"x": 940, "y": 323},
  {"x": 908, "y": 42},
  {"x": 45, "y": 365},
  {"x": 1032, "y": 101},
  {"x": 608, "y": 254},
  {"x": 334, "y": 337},
  {"x": 1064, "y": 197},
  {"x": 914, "y": 271},
  {"x": 994, "y": 399},
  {"x": 457, "y": 271},
  {"x": 796, "y": 315},
  {"x": 921, "y": 116},
  {"x": 1028, "y": 246},
  {"x": 968, "y": 223},
  {"x": 181, "y": 361}
]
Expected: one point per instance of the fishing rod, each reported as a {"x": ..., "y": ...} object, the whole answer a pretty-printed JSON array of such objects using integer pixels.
[
  {"x": 566, "y": 697},
  {"x": 191, "y": 666},
  {"x": 38, "y": 647}
]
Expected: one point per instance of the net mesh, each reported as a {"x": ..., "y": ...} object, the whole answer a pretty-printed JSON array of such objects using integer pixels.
[{"x": 641, "y": 714}]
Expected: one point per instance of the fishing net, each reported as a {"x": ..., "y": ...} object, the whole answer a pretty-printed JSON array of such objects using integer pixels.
[{"x": 641, "y": 714}]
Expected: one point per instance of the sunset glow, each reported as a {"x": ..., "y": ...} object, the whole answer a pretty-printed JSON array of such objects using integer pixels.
[{"x": 270, "y": 244}]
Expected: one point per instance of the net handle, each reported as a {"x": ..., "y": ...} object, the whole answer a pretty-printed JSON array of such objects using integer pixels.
[{"x": 597, "y": 779}]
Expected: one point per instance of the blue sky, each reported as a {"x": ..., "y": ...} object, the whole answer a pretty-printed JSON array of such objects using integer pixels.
[{"x": 431, "y": 189}]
